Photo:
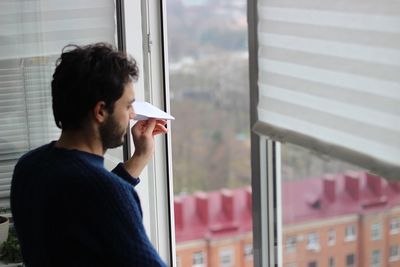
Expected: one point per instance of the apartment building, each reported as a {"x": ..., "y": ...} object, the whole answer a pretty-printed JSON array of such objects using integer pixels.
[{"x": 343, "y": 220}]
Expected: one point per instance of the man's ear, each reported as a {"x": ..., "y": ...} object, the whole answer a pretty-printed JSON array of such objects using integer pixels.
[{"x": 100, "y": 112}]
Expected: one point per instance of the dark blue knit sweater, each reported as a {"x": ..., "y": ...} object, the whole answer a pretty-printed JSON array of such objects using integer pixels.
[{"x": 68, "y": 210}]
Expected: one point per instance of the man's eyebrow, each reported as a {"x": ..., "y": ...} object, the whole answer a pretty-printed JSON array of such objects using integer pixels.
[{"x": 133, "y": 100}]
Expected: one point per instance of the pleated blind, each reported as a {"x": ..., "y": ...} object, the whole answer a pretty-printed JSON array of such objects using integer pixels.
[
  {"x": 32, "y": 35},
  {"x": 329, "y": 78}
]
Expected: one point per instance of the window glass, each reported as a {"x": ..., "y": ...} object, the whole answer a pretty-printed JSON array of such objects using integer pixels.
[
  {"x": 376, "y": 229},
  {"x": 335, "y": 210},
  {"x": 394, "y": 253},
  {"x": 394, "y": 225},
  {"x": 209, "y": 89},
  {"x": 376, "y": 258},
  {"x": 331, "y": 262},
  {"x": 350, "y": 260},
  {"x": 331, "y": 237}
]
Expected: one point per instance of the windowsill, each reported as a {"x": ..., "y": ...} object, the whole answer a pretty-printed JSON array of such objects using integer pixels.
[
  {"x": 350, "y": 239},
  {"x": 395, "y": 232},
  {"x": 394, "y": 258},
  {"x": 332, "y": 243}
]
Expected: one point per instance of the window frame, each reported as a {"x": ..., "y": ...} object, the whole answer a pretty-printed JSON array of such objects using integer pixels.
[{"x": 146, "y": 42}]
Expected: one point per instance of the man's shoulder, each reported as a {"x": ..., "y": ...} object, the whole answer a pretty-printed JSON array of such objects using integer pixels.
[{"x": 31, "y": 155}]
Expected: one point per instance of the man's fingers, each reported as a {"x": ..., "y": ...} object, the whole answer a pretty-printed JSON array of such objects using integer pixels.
[
  {"x": 151, "y": 124},
  {"x": 159, "y": 129}
]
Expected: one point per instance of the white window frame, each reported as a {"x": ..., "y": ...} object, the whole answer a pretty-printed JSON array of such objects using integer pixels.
[
  {"x": 375, "y": 263},
  {"x": 199, "y": 256},
  {"x": 248, "y": 251},
  {"x": 350, "y": 233},
  {"x": 394, "y": 256},
  {"x": 227, "y": 253},
  {"x": 291, "y": 244},
  {"x": 145, "y": 36},
  {"x": 331, "y": 237},
  {"x": 394, "y": 226},
  {"x": 313, "y": 241},
  {"x": 376, "y": 231}
]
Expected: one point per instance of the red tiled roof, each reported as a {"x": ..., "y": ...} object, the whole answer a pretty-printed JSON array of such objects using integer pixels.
[
  {"x": 354, "y": 193},
  {"x": 227, "y": 213},
  {"x": 213, "y": 215}
]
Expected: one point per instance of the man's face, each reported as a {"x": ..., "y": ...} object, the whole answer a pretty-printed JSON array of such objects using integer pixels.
[{"x": 113, "y": 129}]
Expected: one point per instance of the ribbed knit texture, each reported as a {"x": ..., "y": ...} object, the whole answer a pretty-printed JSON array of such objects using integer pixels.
[{"x": 68, "y": 210}]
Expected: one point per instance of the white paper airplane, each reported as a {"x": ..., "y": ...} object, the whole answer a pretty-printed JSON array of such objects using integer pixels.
[{"x": 145, "y": 111}]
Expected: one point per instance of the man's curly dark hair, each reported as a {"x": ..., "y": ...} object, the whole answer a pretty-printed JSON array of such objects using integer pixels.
[{"x": 85, "y": 75}]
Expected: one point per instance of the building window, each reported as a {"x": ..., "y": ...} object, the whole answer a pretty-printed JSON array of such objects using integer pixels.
[
  {"x": 350, "y": 260},
  {"x": 331, "y": 262},
  {"x": 248, "y": 251},
  {"x": 395, "y": 226},
  {"x": 199, "y": 259},
  {"x": 376, "y": 258},
  {"x": 226, "y": 258},
  {"x": 312, "y": 264},
  {"x": 291, "y": 244},
  {"x": 331, "y": 237},
  {"x": 292, "y": 264},
  {"x": 376, "y": 231},
  {"x": 313, "y": 242},
  {"x": 394, "y": 253},
  {"x": 350, "y": 232}
]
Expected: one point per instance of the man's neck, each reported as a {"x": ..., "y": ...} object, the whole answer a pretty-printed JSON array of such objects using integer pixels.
[{"x": 81, "y": 140}]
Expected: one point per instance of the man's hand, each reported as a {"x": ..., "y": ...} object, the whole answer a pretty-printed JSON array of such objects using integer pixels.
[{"x": 143, "y": 133}]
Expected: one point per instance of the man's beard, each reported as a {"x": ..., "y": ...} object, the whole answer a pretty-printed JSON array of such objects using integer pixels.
[{"x": 111, "y": 133}]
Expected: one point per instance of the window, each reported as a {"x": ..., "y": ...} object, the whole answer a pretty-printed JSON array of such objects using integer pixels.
[
  {"x": 199, "y": 259},
  {"x": 226, "y": 258},
  {"x": 27, "y": 60},
  {"x": 376, "y": 258},
  {"x": 376, "y": 231},
  {"x": 331, "y": 262},
  {"x": 303, "y": 95},
  {"x": 350, "y": 260},
  {"x": 313, "y": 242},
  {"x": 291, "y": 244},
  {"x": 350, "y": 233},
  {"x": 394, "y": 253},
  {"x": 312, "y": 264},
  {"x": 331, "y": 237},
  {"x": 394, "y": 226},
  {"x": 291, "y": 264},
  {"x": 210, "y": 138},
  {"x": 248, "y": 251}
]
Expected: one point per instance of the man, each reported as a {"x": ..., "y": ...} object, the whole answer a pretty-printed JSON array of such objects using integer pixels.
[{"x": 68, "y": 210}]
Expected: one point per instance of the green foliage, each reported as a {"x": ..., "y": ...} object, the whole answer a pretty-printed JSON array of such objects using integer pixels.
[{"x": 11, "y": 251}]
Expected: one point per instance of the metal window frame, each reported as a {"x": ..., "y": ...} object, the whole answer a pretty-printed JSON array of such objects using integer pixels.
[{"x": 265, "y": 165}]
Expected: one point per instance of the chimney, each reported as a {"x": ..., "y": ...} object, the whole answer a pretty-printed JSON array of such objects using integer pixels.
[
  {"x": 249, "y": 199},
  {"x": 374, "y": 183},
  {"x": 227, "y": 203},
  {"x": 329, "y": 187},
  {"x": 201, "y": 199},
  {"x": 178, "y": 212},
  {"x": 352, "y": 185}
]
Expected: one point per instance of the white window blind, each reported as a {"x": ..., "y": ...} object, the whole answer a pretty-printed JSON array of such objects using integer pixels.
[
  {"x": 329, "y": 78},
  {"x": 32, "y": 35}
]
